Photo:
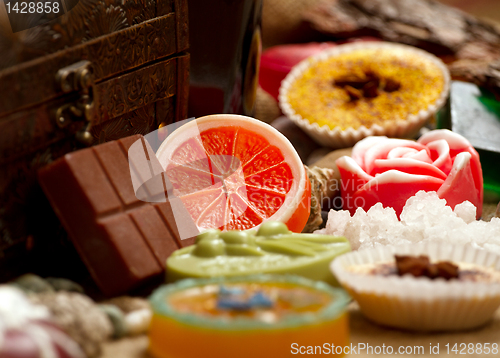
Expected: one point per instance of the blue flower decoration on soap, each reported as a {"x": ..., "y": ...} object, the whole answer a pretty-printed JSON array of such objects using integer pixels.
[{"x": 233, "y": 299}]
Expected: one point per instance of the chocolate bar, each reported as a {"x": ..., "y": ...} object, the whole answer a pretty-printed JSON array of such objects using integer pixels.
[{"x": 118, "y": 216}]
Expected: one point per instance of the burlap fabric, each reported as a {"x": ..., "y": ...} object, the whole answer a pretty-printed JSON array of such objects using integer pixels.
[{"x": 282, "y": 22}]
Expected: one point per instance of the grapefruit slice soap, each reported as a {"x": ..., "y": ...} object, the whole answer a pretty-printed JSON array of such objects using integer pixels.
[
  {"x": 253, "y": 316},
  {"x": 272, "y": 249}
]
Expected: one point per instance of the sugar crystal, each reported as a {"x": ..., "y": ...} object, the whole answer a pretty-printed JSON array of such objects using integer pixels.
[{"x": 425, "y": 217}]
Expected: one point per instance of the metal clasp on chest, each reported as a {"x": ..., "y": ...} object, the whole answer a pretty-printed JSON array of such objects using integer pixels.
[{"x": 79, "y": 78}]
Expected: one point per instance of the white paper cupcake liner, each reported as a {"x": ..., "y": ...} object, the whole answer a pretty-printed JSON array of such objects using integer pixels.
[
  {"x": 420, "y": 303},
  {"x": 338, "y": 138}
]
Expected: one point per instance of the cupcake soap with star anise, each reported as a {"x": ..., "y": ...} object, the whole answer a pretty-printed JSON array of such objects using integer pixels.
[
  {"x": 369, "y": 88},
  {"x": 428, "y": 286}
]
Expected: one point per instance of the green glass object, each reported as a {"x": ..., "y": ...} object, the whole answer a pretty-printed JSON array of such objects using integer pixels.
[
  {"x": 474, "y": 113},
  {"x": 272, "y": 249}
]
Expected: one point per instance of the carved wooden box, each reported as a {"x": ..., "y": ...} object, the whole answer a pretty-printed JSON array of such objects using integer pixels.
[{"x": 105, "y": 70}]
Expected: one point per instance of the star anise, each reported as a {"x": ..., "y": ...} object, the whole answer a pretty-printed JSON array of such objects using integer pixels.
[
  {"x": 420, "y": 266},
  {"x": 368, "y": 85}
]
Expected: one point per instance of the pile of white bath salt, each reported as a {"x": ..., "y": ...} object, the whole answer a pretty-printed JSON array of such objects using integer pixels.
[{"x": 425, "y": 217}]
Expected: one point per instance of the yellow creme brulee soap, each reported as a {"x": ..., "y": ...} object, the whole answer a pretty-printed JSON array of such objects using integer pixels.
[{"x": 365, "y": 87}]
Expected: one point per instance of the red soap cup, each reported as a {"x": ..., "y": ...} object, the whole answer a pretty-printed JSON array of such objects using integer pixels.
[{"x": 277, "y": 61}]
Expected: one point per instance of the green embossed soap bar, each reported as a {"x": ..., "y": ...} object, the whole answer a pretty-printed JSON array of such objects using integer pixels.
[{"x": 272, "y": 249}]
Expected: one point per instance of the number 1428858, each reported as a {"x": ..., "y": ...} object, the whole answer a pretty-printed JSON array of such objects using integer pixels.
[
  {"x": 33, "y": 7},
  {"x": 472, "y": 348}
]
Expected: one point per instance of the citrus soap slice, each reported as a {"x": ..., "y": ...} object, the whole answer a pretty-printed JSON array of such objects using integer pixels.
[
  {"x": 235, "y": 172},
  {"x": 272, "y": 249}
]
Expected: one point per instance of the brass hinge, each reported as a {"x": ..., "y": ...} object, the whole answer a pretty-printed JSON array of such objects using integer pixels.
[{"x": 77, "y": 77}]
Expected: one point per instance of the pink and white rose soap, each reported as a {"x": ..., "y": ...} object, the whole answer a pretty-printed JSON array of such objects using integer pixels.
[{"x": 390, "y": 171}]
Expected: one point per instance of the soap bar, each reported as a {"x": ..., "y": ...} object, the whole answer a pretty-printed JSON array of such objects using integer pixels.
[
  {"x": 273, "y": 249},
  {"x": 256, "y": 316},
  {"x": 122, "y": 240},
  {"x": 475, "y": 114}
]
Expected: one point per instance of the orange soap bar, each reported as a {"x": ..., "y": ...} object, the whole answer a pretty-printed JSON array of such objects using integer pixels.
[{"x": 253, "y": 316}]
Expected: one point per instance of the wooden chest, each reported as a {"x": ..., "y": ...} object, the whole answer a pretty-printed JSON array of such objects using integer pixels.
[{"x": 105, "y": 70}]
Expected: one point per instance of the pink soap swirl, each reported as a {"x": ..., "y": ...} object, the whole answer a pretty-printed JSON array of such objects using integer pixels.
[{"x": 391, "y": 170}]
